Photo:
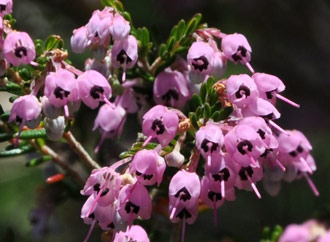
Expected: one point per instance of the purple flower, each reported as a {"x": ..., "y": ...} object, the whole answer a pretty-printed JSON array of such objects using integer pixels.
[
  {"x": 211, "y": 193},
  {"x": 294, "y": 233},
  {"x": 241, "y": 90},
  {"x": 120, "y": 28},
  {"x": 19, "y": 48},
  {"x": 93, "y": 88},
  {"x": 236, "y": 48},
  {"x": 171, "y": 88},
  {"x": 148, "y": 167},
  {"x": 125, "y": 52},
  {"x": 134, "y": 201},
  {"x": 133, "y": 233},
  {"x": 79, "y": 41},
  {"x": 98, "y": 26},
  {"x": 161, "y": 123},
  {"x": 6, "y": 7}
]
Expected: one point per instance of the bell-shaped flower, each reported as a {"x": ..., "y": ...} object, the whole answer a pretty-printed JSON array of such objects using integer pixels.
[
  {"x": 236, "y": 48},
  {"x": 218, "y": 64},
  {"x": 244, "y": 145},
  {"x": 79, "y": 41},
  {"x": 93, "y": 88},
  {"x": 269, "y": 87},
  {"x": 247, "y": 176},
  {"x": 6, "y": 7},
  {"x": 49, "y": 110},
  {"x": 61, "y": 88},
  {"x": 184, "y": 214},
  {"x": 199, "y": 59},
  {"x": 54, "y": 128},
  {"x": 133, "y": 233},
  {"x": 148, "y": 167},
  {"x": 19, "y": 48},
  {"x": 104, "y": 185},
  {"x": 161, "y": 123},
  {"x": 241, "y": 90},
  {"x": 295, "y": 232},
  {"x": 209, "y": 141},
  {"x": 120, "y": 27},
  {"x": 171, "y": 89},
  {"x": 26, "y": 110},
  {"x": 127, "y": 100},
  {"x": 125, "y": 52},
  {"x": 211, "y": 193},
  {"x": 98, "y": 26},
  {"x": 134, "y": 201}
]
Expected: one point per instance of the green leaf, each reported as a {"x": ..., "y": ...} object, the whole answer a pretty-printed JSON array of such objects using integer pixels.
[
  {"x": 224, "y": 113},
  {"x": 13, "y": 98},
  {"x": 277, "y": 232},
  {"x": 38, "y": 161},
  {"x": 161, "y": 50},
  {"x": 13, "y": 88},
  {"x": 25, "y": 73},
  {"x": 193, "y": 119},
  {"x": 199, "y": 112},
  {"x": 207, "y": 110},
  {"x": 40, "y": 46},
  {"x": 180, "y": 33},
  {"x": 193, "y": 24},
  {"x": 127, "y": 16},
  {"x": 119, "y": 6},
  {"x": 212, "y": 97},
  {"x": 170, "y": 43},
  {"x": 54, "y": 42},
  {"x": 126, "y": 154},
  {"x": 209, "y": 83},
  {"x": 216, "y": 116},
  {"x": 17, "y": 151},
  {"x": 33, "y": 134},
  {"x": 195, "y": 102},
  {"x": 5, "y": 116},
  {"x": 143, "y": 35},
  {"x": 203, "y": 92},
  {"x": 174, "y": 31},
  {"x": 5, "y": 137},
  {"x": 216, "y": 107}
]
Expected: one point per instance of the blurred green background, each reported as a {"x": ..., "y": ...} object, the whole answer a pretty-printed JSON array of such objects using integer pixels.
[{"x": 290, "y": 39}]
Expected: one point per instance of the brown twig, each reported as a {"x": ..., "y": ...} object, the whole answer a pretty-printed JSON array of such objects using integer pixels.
[
  {"x": 79, "y": 149},
  {"x": 155, "y": 64}
]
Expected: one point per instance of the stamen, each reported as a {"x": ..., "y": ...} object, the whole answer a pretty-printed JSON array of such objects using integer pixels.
[
  {"x": 90, "y": 231},
  {"x": 280, "y": 165},
  {"x": 249, "y": 67},
  {"x": 147, "y": 141},
  {"x": 183, "y": 229},
  {"x": 215, "y": 217},
  {"x": 254, "y": 187},
  {"x": 306, "y": 165},
  {"x": 223, "y": 190},
  {"x": 311, "y": 184},
  {"x": 273, "y": 124},
  {"x": 287, "y": 100},
  {"x": 66, "y": 111}
]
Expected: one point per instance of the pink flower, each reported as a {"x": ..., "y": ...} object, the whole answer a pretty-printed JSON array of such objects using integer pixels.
[
  {"x": 148, "y": 167},
  {"x": 161, "y": 123},
  {"x": 6, "y": 7},
  {"x": 19, "y": 48},
  {"x": 294, "y": 233},
  {"x": 133, "y": 233},
  {"x": 211, "y": 193},
  {"x": 199, "y": 57},
  {"x": 120, "y": 28},
  {"x": 26, "y": 111},
  {"x": 125, "y": 52},
  {"x": 104, "y": 185},
  {"x": 98, "y": 26},
  {"x": 171, "y": 88},
  {"x": 79, "y": 41},
  {"x": 236, "y": 48},
  {"x": 134, "y": 201},
  {"x": 93, "y": 88},
  {"x": 241, "y": 90}
]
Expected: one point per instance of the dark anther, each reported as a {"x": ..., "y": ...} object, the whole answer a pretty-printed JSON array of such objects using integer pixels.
[
  {"x": 122, "y": 56},
  {"x": 183, "y": 194},
  {"x": 19, "y": 51},
  {"x": 171, "y": 94},
  {"x": 293, "y": 153},
  {"x": 138, "y": 173},
  {"x": 261, "y": 133},
  {"x": 226, "y": 174},
  {"x": 147, "y": 177},
  {"x": 269, "y": 95},
  {"x": 96, "y": 187},
  {"x": 111, "y": 226},
  {"x": 96, "y": 34},
  {"x": 245, "y": 171},
  {"x": 241, "y": 52},
  {"x": 158, "y": 124},
  {"x": 131, "y": 207},
  {"x": 242, "y": 90},
  {"x": 60, "y": 93},
  {"x": 196, "y": 63},
  {"x": 183, "y": 214},
  {"x": 96, "y": 91},
  {"x": 268, "y": 117},
  {"x": 2, "y": 7},
  {"x": 245, "y": 144},
  {"x": 205, "y": 146},
  {"x": 300, "y": 149},
  {"x": 214, "y": 196},
  {"x": 105, "y": 192},
  {"x": 19, "y": 119},
  {"x": 92, "y": 216},
  {"x": 267, "y": 151}
]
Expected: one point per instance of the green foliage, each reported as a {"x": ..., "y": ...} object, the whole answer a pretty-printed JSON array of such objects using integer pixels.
[
  {"x": 38, "y": 161},
  {"x": 33, "y": 134},
  {"x": 12, "y": 87},
  {"x": 16, "y": 151},
  {"x": 54, "y": 42},
  {"x": 269, "y": 235},
  {"x": 137, "y": 146}
]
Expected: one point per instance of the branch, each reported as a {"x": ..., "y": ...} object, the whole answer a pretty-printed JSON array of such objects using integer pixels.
[{"x": 79, "y": 149}]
